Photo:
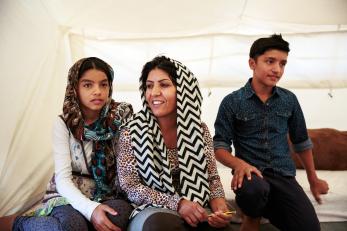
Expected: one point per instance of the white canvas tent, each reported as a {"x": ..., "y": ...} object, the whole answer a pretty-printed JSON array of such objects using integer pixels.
[{"x": 40, "y": 39}]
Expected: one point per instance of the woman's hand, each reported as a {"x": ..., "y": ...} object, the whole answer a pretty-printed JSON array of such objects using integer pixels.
[
  {"x": 100, "y": 221},
  {"x": 191, "y": 212},
  {"x": 218, "y": 219}
]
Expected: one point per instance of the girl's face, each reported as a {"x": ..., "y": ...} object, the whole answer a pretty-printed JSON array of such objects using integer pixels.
[
  {"x": 93, "y": 90},
  {"x": 161, "y": 94}
]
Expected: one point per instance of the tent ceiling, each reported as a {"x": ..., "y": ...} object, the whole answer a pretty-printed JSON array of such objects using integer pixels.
[
  {"x": 212, "y": 37},
  {"x": 153, "y": 18}
]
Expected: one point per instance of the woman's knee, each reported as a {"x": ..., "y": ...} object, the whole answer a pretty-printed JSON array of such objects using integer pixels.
[{"x": 164, "y": 221}]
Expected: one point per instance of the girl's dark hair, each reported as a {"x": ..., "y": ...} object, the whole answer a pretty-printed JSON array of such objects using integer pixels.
[
  {"x": 261, "y": 45},
  {"x": 98, "y": 64},
  {"x": 162, "y": 63}
]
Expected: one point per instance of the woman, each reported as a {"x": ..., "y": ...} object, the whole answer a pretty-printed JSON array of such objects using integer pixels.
[
  {"x": 84, "y": 192},
  {"x": 166, "y": 163}
]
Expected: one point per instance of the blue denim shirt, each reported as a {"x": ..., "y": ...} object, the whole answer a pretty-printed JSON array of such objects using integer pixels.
[{"x": 259, "y": 130}]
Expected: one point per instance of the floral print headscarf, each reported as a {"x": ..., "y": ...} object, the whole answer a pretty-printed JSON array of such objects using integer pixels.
[{"x": 102, "y": 132}]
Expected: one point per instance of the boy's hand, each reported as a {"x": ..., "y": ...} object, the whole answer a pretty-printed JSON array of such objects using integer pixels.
[
  {"x": 241, "y": 170},
  {"x": 318, "y": 187}
]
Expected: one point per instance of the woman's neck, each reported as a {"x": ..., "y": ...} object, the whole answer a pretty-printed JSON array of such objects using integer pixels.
[
  {"x": 168, "y": 127},
  {"x": 167, "y": 123}
]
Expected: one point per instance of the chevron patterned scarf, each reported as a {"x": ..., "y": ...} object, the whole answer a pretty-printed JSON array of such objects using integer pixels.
[{"x": 150, "y": 150}]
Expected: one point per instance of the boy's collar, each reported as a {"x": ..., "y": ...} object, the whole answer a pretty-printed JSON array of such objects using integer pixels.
[{"x": 250, "y": 92}]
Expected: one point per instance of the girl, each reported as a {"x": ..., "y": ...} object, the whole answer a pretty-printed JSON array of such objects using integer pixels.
[{"x": 84, "y": 192}]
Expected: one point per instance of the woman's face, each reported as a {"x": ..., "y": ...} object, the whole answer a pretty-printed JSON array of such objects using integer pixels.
[
  {"x": 93, "y": 90},
  {"x": 161, "y": 94}
]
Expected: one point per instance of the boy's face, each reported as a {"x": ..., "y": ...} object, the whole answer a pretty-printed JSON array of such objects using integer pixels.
[{"x": 268, "y": 68}]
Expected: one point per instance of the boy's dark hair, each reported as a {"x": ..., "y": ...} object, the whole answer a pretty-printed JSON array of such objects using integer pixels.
[
  {"x": 261, "y": 45},
  {"x": 162, "y": 63}
]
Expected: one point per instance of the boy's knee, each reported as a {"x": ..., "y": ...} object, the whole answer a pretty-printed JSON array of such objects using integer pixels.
[
  {"x": 252, "y": 197},
  {"x": 254, "y": 189}
]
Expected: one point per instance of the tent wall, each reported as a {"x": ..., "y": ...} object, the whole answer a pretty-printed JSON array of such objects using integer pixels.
[
  {"x": 31, "y": 62},
  {"x": 222, "y": 60},
  {"x": 41, "y": 39}
]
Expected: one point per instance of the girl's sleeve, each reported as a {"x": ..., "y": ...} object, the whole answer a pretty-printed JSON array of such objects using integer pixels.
[
  {"x": 130, "y": 181},
  {"x": 63, "y": 172},
  {"x": 216, "y": 187}
]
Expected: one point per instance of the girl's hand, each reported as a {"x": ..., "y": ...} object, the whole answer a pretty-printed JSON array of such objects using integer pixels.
[
  {"x": 191, "y": 212},
  {"x": 100, "y": 221}
]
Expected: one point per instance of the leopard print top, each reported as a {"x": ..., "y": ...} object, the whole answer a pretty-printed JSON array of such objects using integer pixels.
[{"x": 141, "y": 194}]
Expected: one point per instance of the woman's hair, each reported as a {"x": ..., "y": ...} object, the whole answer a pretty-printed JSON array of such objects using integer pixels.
[
  {"x": 162, "y": 63},
  {"x": 261, "y": 45}
]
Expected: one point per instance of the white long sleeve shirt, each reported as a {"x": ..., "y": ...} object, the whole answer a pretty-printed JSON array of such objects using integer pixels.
[{"x": 65, "y": 148}]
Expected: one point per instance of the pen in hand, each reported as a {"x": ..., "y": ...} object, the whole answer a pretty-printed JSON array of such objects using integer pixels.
[{"x": 225, "y": 213}]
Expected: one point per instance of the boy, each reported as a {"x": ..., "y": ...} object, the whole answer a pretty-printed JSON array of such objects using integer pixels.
[{"x": 257, "y": 119}]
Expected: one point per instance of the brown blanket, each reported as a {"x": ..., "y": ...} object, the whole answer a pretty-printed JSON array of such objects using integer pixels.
[{"x": 329, "y": 149}]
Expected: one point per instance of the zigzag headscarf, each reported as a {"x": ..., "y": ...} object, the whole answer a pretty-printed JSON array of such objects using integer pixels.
[
  {"x": 150, "y": 150},
  {"x": 102, "y": 132}
]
